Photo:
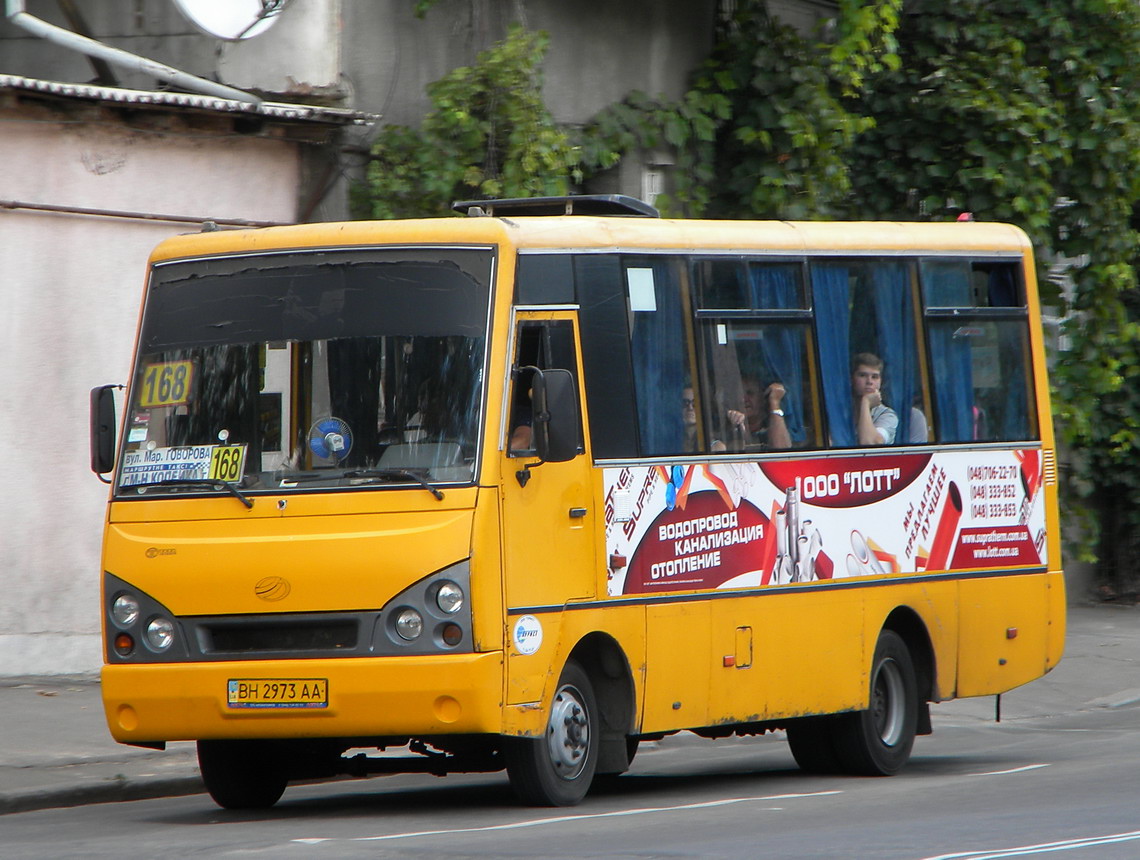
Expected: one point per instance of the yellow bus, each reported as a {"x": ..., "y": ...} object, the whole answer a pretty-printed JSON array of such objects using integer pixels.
[{"x": 520, "y": 489}]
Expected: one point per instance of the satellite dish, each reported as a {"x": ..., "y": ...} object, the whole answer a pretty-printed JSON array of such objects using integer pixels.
[{"x": 232, "y": 20}]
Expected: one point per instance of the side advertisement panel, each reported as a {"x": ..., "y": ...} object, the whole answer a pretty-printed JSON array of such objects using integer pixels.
[{"x": 745, "y": 525}]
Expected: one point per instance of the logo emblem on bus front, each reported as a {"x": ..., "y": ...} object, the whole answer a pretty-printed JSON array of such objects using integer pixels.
[
  {"x": 527, "y": 634},
  {"x": 272, "y": 588}
]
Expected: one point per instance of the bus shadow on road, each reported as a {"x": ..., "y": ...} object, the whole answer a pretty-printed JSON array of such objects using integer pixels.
[{"x": 656, "y": 778}]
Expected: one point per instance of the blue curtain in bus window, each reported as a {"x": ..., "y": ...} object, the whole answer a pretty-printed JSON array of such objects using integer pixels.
[
  {"x": 1003, "y": 293},
  {"x": 777, "y": 288},
  {"x": 658, "y": 348},
  {"x": 1003, "y": 287},
  {"x": 894, "y": 323},
  {"x": 1012, "y": 346},
  {"x": 953, "y": 381},
  {"x": 947, "y": 284},
  {"x": 831, "y": 295},
  {"x": 831, "y": 298}
]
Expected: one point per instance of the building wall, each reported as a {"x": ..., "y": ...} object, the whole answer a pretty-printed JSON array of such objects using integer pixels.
[
  {"x": 599, "y": 50},
  {"x": 71, "y": 287},
  {"x": 377, "y": 56}
]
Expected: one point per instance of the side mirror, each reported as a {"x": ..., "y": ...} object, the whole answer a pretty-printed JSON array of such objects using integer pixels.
[
  {"x": 555, "y": 416},
  {"x": 103, "y": 429}
]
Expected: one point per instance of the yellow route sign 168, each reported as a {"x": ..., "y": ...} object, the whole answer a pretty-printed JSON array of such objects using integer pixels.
[{"x": 166, "y": 384}]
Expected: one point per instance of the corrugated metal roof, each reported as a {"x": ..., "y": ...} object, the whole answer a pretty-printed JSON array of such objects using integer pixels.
[{"x": 269, "y": 110}]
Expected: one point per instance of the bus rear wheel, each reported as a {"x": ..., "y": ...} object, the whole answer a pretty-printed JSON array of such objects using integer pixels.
[
  {"x": 242, "y": 774},
  {"x": 878, "y": 741},
  {"x": 557, "y": 769}
]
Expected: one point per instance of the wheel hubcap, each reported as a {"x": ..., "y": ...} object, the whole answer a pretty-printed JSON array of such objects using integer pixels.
[
  {"x": 568, "y": 735},
  {"x": 887, "y": 702}
]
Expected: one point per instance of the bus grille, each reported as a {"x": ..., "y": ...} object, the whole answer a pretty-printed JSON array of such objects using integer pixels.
[{"x": 280, "y": 637}]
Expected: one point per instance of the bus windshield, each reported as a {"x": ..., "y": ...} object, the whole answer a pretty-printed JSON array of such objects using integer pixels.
[{"x": 309, "y": 370}]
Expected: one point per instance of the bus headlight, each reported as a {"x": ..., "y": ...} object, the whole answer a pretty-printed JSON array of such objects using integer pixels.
[
  {"x": 449, "y": 598},
  {"x": 125, "y": 610},
  {"x": 160, "y": 634},
  {"x": 409, "y": 624}
]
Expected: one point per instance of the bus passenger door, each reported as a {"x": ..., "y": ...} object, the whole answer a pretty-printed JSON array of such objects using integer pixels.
[{"x": 549, "y": 514}]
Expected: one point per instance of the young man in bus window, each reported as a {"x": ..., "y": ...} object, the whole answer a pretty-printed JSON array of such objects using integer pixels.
[{"x": 875, "y": 424}]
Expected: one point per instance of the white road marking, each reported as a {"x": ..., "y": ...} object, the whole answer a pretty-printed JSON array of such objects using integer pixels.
[
  {"x": 1043, "y": 848},
  {"x": 1004, "y": 772},
  {"x": 562, "y": 819}
]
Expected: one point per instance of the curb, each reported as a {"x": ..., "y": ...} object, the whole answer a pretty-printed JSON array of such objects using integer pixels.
[{"x": 112, "y": 791}]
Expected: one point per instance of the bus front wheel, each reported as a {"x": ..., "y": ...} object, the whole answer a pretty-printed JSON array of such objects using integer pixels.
[
  {"x": 878, "y": 741},
  {"x": 557, "y": 769},
  {"x": 241, "y": 774}
]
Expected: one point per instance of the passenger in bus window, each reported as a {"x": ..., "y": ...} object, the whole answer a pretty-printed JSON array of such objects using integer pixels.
[
  {"x": 522, "y": 432},
  {"x": 919, "y": 427},
  {"x": 875, "y": 424},
  {"x": 689, "y": 419},
  {"x": 761, "y": 421}
]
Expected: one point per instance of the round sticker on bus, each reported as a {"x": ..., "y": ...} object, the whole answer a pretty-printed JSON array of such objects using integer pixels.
[{"x": 527, "y": 634}]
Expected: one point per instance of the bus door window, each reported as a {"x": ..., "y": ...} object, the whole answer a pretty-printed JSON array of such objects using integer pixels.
[
  {"x": 865, "y": 318},
  {"x": 754, "y": 326},
  {"x": 978, "y": 328},
  {"x": 545, "y": 345}
]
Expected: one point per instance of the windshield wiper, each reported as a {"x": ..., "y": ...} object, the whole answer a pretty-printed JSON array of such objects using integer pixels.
[
  {"x": 195, "y": 482},
  {"x": 358, "y": 474},
  {"x": 395, "y": 474}
]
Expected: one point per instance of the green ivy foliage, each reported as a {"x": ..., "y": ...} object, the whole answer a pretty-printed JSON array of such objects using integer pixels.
[
  {"x": 488, "y": 134},
  {"x": 1027, "y": 115},
  {"x": 762, "y": 133},
  {"x": 866, "y": 42},
  {"x": 687, "y": 128}
]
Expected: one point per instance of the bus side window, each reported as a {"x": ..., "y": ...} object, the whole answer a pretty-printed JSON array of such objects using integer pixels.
[
  {"x": 754, "y": 334},
  {"x": 660, "y": 351},
  {"x": 978, "y": 328},
  {"x": 866, "y": 321}
]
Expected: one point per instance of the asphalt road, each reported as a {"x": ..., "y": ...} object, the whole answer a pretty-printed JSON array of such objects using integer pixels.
[{"x": 1061, "y": 786}]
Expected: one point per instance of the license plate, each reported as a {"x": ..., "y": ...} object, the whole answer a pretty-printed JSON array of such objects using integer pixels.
[{"x": 278, "y": 693}]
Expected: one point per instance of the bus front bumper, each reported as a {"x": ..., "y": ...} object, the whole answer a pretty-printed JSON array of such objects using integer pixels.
[{"x": 366, "y": 697}]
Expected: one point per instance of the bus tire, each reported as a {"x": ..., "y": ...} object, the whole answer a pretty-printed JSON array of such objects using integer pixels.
[
  {"x": 812, "y": 740},
  {"x": 241, "y": 774},
  {"x": 557, "y": 769},
  {"x": 878, "y": 741}
]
